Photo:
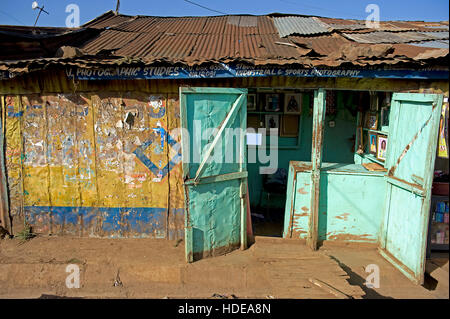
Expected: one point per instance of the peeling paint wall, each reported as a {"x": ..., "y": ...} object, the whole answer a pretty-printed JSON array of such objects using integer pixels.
[
  {"x": 350, "y": 206},
  {"x": 102, "y": 164},
  {"x": 89, "y": 164}
]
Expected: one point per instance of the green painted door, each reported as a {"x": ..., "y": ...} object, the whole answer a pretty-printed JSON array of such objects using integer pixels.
[
  {"x": 214, "y": 170},
  {"x": 411, "y": 153}
]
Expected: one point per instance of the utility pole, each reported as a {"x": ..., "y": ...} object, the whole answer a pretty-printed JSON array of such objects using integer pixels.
[{"x": 117, "y": 6}]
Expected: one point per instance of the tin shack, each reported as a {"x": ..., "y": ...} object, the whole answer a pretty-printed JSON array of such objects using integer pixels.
[{"x": 179, "y": 127}]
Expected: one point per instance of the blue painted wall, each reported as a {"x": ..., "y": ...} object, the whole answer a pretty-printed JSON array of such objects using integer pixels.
[{"x": 350, "y": 206}]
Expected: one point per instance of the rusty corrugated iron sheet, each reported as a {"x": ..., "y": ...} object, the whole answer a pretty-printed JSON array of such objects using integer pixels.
[
  {"x": 390, "y": 37},
  {"x": 440, "y": 44},
  {"x": 299, "y": 25},
  {"x": 241, "y": 38},
  {"x": 110, "y": 40},
  {"x": 409, "y": 50},
  {"x": 442, "y": 35},
  {"x": 323, "y": 44},
  {"x": 253, "y": 38},
  {"x": 108, "y": 19}
]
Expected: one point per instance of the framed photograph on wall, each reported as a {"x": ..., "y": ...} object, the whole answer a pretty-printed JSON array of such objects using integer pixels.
[
  {"x": 272, "y": 102},
  {"x": 272, "y": 121},
  {"x": 289, "y": 125},
  {"x": 372, "y": 143},
  {"x": 372, "y": 120},
  {"x": 360, "y": 141},
  {"x": 384, "y": 121},
  {"x": 251, "y": 102},
  {"x": 293, "y": 103},
  {"x": 381, "y": 147}
]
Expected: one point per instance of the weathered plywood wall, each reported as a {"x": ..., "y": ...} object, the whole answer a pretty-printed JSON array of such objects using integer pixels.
[
  {"x": 351, "y": 203},
  {"x": 104, "y": 164}
]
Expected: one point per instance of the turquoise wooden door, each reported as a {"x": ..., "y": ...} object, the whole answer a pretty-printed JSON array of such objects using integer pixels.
[
  {"x": 410, "y": 159},
  {"x": 214, "y": 170}
]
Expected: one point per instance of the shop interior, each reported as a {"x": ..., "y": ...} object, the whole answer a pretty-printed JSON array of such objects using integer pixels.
[
  {"x": 290, "y": 110},
  {"x": 356, "y": 131}
]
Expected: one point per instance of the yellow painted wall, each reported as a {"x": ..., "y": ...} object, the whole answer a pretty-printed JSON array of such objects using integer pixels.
[
  {"x": 71, "y": 162},
  {"x": 78, "y": 150}
]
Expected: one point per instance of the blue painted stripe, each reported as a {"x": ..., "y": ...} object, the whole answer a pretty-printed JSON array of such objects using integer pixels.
[
  {"x": 11, "y": 112},
  {"x": 240, "y": 70},
  {"x": 140, "y": 220}
]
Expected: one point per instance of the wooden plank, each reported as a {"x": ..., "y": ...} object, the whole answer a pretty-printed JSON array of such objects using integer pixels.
[
  {"x": 243, "y": 169},
  {"x": 4, "y": 209},
  {"x": 374, "y": 167},
  {"x": 428, "y": 180},
  {"x": 243, "y": 189},
  {"x": 328, "y": 288},
  {"x": 414, "y": 97},
  {"x": 217, "y": 178},
  {"x": 185, "y": 154},
  {"x": 185, "y": 147},
  {"x": 416, "y": 189},
  {"x": 316, "y": 159}
]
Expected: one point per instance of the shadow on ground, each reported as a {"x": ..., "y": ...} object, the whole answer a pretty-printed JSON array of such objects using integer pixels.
[{"x": 357, "y": 280}]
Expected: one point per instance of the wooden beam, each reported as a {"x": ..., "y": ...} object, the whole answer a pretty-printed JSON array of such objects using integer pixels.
[
  {"x": 4, "y": 207},
  {"x": 217, "y": 178},
  {"x": 243, "y": 169},
  {"x": 316, "y": 160}
]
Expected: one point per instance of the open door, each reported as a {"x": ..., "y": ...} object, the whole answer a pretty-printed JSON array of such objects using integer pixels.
[
  {"x": 214, "y": 121},
  {"x": 411, "y": 153}
]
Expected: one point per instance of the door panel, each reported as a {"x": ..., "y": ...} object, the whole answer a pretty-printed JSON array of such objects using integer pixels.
[
  {"x": 410, "y": 163},
  {"x": 413, "y": 118},
  {"x": 215, "y": 177}
]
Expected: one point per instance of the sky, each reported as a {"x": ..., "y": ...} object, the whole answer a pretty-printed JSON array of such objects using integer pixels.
[{"x": 19, "y": 12}]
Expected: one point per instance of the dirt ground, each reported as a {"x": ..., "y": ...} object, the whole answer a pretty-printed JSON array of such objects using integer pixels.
[{"x": 152, "y": 268}]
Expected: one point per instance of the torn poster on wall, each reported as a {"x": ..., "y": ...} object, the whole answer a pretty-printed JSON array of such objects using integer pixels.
[
  {"x": 238, "y": 71},
  {"x": 443, "y": 132}
]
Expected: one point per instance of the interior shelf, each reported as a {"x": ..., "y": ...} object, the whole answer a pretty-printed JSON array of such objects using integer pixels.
[
  {"x": 371, "y": 158},
  {"x": 376, "y": 131}
]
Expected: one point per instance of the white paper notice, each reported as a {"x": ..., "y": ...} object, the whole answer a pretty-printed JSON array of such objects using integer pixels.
[{"x": 254, "y": 139}]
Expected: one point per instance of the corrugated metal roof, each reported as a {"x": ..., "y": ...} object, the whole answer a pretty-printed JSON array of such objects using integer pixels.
[
  {"x": 443, "y": 35},
  {"x": 299, "y": 25},
  {"x": 409, "y": 50},
  {"x": 255, "y": 38},
  {"x": 348, "y": 26},
  {"x": 323, "y": 44},
  {"x": 139, "y": 24},
  {"x": 388, "y": 37},
  {"x": 444, "y": 27},
  {"x": 110, "y": 40},
  {"x": 441, "y": 44},
  {"x": 106, "y": 20},
  {"x": 258, "y": 39}
]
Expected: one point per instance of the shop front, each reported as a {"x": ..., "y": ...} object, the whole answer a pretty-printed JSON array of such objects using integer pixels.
[{"x": 95, "y": 157}]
